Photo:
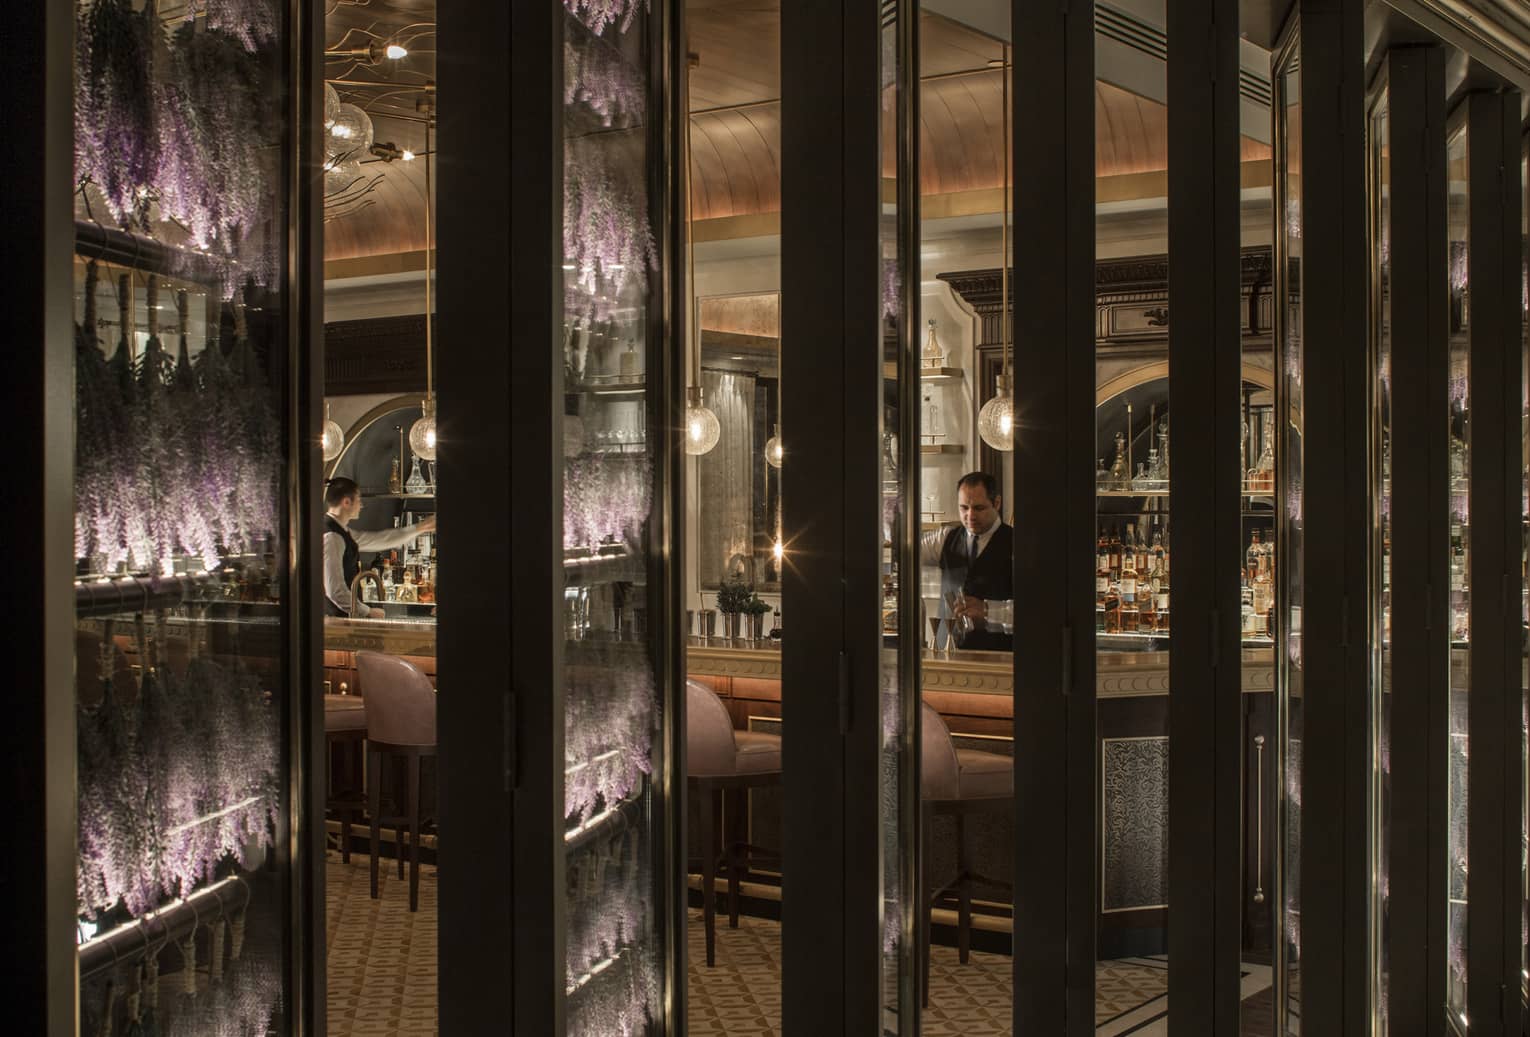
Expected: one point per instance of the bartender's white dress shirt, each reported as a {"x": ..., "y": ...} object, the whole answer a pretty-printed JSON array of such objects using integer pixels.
[{"x": 335, "y": 587}]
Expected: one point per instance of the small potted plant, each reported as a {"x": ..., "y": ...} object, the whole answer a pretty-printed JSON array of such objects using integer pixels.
[
  {"x": 733, "y": 602},
  {"x": 756, "y": 610}
]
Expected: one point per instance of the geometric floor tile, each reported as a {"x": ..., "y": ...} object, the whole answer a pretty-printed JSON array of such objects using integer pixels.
[{"x": 382, "y": 957}]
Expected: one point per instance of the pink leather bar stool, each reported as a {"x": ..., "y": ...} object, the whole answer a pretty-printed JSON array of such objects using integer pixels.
[
  {"x": 721, "y": 761},
  {"x": 956, "y": 782},
  {"x": 401, "y": 725},
  {"x": 345, "y": 732}
]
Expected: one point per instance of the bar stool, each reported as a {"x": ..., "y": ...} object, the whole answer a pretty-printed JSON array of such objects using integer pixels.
[
  {"x": 401, "y": 725},
  {"x": 721, "y": 761},
  {"x": 954, "y": 783},
  {"x": 345, "y": 730}
]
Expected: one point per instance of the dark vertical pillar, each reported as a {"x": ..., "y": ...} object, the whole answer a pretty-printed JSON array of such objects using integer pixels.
[
  {"x": 37, "y": 745},
  {"x": 1335, "y": 503},
  {"x": 831, "y": 339},
  {"x": 303, "y": 588},
  {"x": 1056, "y": 775},
  {"x": 501, "y": 726},
  {"x": 1494, "y": 779},
  {"x": 1205, "y": 375},
  {"x": 1420, "y": 646}
]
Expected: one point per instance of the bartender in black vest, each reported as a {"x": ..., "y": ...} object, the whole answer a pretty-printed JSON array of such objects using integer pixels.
[
  {"x": 976, "y": 562},
  {"x": 342, "y": 548}
]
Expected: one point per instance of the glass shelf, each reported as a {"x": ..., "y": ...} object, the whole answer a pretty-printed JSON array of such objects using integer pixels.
[{"x": 942, "y": 448}]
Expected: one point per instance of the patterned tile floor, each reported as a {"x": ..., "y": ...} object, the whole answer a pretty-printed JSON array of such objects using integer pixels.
[
  {"x": 382, "y": 957},
  {"x": 382, "y": 973}
]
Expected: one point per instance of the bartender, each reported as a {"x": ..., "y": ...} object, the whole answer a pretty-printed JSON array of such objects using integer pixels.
[
  {"x": 976, "y": 560},
  {"x": 342, "y": 548}
]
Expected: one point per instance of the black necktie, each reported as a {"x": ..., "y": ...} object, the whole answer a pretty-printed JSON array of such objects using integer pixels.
[{"x": 972, "y": 551}]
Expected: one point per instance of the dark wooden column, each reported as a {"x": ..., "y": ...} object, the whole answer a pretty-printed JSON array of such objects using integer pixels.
[
  {"x": 1056, "y": 773},
  {"x": 1420, "y": 648},
  {"x": 1205, "y": 376},
  {"x": 1334, "y": 894},
  {"x": 832, "y": 340},
  {"x": 38, "y": 744}
]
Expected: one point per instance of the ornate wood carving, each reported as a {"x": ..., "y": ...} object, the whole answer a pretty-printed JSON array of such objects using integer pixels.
[
  {"x": 1132, "y": 302},
  {"x": 380, "y": 355}
]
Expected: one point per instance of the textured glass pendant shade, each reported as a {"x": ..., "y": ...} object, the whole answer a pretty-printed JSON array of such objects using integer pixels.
[
  {"x": 702, "y": 430},
  {"x": 332, "y": 439},
  {"x": 775, "y": 449},
  {"x": 996, "y": 421},
  {"x": 422, "y": 434}
]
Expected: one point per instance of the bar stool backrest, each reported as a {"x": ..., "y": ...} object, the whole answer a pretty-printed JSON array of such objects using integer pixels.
[
  {"x": 941, "y": 777},
  {"x": 709, "y": 744},
  {"x": 401, "y": 704}
]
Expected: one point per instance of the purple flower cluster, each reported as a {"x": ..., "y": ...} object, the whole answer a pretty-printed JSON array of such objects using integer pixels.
[
  {"x": 596, "y": 15},
  {"x": 606, "y": 498},
  {"x": 115, "y": 141},
  {"x": 171, "y": 458},
  {"x": 596, "y": 74},
  {"x": 610, "y": 711},
  {"x": 606, "y": 237},
  {"x": 181, "y": 133},
  {"x": 252, "y": 22},
  {"x": 176, "y": 774}
]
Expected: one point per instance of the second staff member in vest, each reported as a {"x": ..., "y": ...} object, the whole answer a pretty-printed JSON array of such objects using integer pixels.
[
  {"x": 976, "y": 562},
  {"x": 342, "y": 548}
]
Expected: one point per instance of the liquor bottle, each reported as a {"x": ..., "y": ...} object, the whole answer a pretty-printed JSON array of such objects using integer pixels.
[
  {"x": 395, "y": 478},
  {"x": 932, "y": 357},
  {"x": 1102, "y": 571},
  {"x": 1144, "y": 556},
  {"x": 1161, "y": 599},
  {"x": 1112, "y": 611},
  {"x": 1251, "y": 558},
  {"x": 1120, "y": 474},
  {"x": 1115, "y": 555},
  {"x": 1129, "y": 610}
]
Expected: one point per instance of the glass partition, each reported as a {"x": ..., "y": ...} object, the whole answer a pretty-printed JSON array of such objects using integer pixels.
[
  {"x": 614, "y": 442},
  {"x": 1458, "y": 431},
  {"x": 183, "y": 468},
  {"x": 1379, "y": 177},
  {"x": 1289, "y": 226}
]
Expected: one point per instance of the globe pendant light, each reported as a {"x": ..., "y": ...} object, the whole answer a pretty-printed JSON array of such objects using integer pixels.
[
  {"x": 996, "y": 421},
  {"x": 702, "y": 429},
  {"x": 775, "y": 450},
  {"x": 422, "y": 434},
  {"x": 332, "y": 439}
]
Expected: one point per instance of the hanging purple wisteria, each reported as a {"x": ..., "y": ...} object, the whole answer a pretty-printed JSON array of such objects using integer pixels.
[
  {"x": 213, "y": 120},
  {"x": 607, "y": 246},
  {"x": 596, "y": 15},
  {"x": 609, "y": 711},
  {"x": 116, "y": 143},
  {"x": 175, "y": 777},
  {"x": 252, "y": 22},
  {"x": 606, "y": 498},
  {"x": 172, "y": 458},
  {"x": 597, "y": 75}
]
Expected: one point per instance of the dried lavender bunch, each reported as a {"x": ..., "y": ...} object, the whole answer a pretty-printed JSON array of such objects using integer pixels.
[
  {"x": 610, "y": 712},
  {"x": 116, "y": 142}
]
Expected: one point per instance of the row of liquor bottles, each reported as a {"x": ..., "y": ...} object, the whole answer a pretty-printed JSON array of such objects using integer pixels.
[
  {"x": 1132, "y": 573},
  {"x": 1152, "y": 476}
]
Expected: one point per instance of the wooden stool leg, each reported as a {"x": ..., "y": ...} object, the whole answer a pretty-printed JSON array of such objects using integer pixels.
[
  {"x": 708, "y": 870},
  {"x": 738, "y": 853},
  {"x": 923, "y": 886},
  {"x": 374, "y": 806},
  {"x": 414, "y": 831},
  {"x": 963, "y": 893},
  {"x": 352, "y": 752}
]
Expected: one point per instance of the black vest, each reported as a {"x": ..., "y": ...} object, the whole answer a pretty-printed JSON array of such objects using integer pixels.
[
  {"x": 992, "y": 578},
  {"x": 350, "y": 565}
]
